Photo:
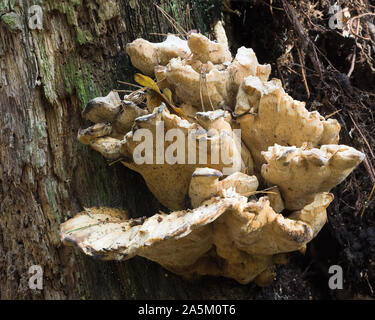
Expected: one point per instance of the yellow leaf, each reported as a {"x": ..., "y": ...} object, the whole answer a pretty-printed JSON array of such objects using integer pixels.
[
  {"x": 168, "y": 95},
  {"x": 146, "y": 82}
]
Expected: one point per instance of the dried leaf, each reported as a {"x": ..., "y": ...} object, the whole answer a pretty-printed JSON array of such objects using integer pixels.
[{"x": 146, "y": 82}]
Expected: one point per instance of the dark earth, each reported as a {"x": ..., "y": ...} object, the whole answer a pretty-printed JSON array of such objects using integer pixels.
[{"x": 348, "y": 239}]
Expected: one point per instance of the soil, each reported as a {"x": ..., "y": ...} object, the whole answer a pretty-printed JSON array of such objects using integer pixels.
[{"x": 348, "y": 239}]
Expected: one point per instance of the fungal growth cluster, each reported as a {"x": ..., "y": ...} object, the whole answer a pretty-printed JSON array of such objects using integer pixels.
[{"x": 237, "y": 223}]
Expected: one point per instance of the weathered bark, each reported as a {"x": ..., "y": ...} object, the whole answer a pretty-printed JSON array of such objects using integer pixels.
[{"x": 46, "y": 78}]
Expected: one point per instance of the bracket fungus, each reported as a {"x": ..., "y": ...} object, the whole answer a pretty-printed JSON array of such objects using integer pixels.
[{"x": 179, "y": 133}]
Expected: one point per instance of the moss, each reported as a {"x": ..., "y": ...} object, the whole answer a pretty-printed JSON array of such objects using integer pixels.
[
  {"x": 67, "y": 7},
  {"x": 207, "y": 11},
  {"x": 84, "y": 36},
  {"x": 12, "y": 21},
  {"x": 37, "y": 156},
  {"x": 177, "y": 11},
  {"x": 46, "y": 72},
  {"x": 41, "y": 128},
  {"x": 203, "y": 12},
  {"x": 78, "y": 78},
  {"x": 4, "y": 6},
  {"x": 96, "y": 181},
  {"x": 50, "y": 189},
  {"x": 14, "y": 3},
  {"x": 34, "y": 149},
  {"x": 75, "y": 2}
]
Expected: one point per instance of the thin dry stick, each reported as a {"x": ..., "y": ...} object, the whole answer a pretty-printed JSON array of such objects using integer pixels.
[
  {"x": 187, "y": 16},
  {"x": 85, "y": 227},
  {"x": 134, "y": 93},
  {"x": 130, "y": 84},
  {"x": 363, "y": 137},
  {"x": 369, "y": 168},
  {"x": 227, "y": 8},
  {"x": 368, "y": 200},
  {"x": 205, "y": 81},
  {"x": 257, "y": 192},
  {"x": 303, "y": 73},
  {"x": 89, "y": 213},
  {"x": 200, "y": 90},
  {"x": 350, "y": 23},
  {"x": 272, "y": 7},
  {"x": 161, "y": 80},
  {"x": 332, "y": 114},
  {"x": 262, "y": 191},
  {"x": 172, "y": 21},
  {"x": 352, "y": 65},
  {"x": 209, "y": 98},
  {"x": 280, "y": 74},
  {"x": 116, "y": 161},
  {"x": 307, "y": 44},
  {"x": 118, "y": 90},
  {"x": 161, "y": 34},
  {"x": 369, "y": 284}
]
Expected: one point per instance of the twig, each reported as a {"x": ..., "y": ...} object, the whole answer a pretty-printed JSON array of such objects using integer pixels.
[
  {"x": 117, "y": 90},
  {"x": 205, "y": 81},
  {"x": 369, "y": 284},
  {"x": 307, "y": 44},
  {"x": 332, "y": 114},
  {"x": 251, "y": 193},
  {"x": 266, "y": 191},
  {"x": 230, "y": 10},
  {"x": 209, "y": 97},
  {"x": 115, "y": 161},
  {"x": 353, "y": 62},
  {"x": 369, "y": 169},
  {"x": 200, "y": 89},
  {"x": 280, "y": 74},
  {"x": 172, "y": 21},
  {"x": 130, "y": 84},
  {"x": 303, "y": 72},
  {"x": 350, "y": 23},
  {"x": 354, "y": 56},
  {"x": 272, "y": 7},
  {"x": 133, "y": 94},
  {"x": 367, "y": 202},
  {"x": 363, "y": 137},
  {"x": 161, "y": 34},
  {"x": 91, "y": 215}
]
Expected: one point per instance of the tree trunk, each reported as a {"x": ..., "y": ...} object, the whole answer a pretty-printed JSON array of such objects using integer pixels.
[
  {"x": 46, "y": 176},
  {"x": 47, "y": 77}
]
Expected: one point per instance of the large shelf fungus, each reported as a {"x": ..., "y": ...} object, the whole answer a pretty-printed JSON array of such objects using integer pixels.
[
  {"x": 226, "y": 236},
  {"x": 302, "y": 173},
  {"x": 269, "y": 116},
  {"x": 245, "y": 169}
]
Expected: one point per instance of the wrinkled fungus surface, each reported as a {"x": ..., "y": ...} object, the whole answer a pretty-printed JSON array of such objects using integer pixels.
[{"x": 220, "y": 224}]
